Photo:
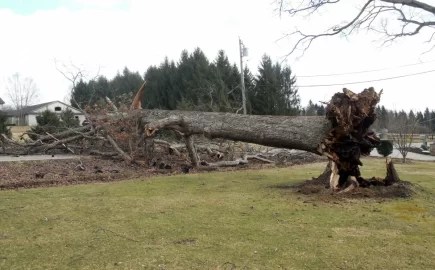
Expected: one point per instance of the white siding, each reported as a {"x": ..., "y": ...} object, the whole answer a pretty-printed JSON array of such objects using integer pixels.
[
  {"x": 52, "y": 107},
  {"x": 31, "y": 120},
  {"x": 81, "y": 118}
]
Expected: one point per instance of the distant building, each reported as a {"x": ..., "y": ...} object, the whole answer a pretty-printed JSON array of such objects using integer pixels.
[{"x": 27, "y": 115}]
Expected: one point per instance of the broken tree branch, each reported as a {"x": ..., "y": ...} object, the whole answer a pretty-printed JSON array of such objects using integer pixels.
[
  {"x": 192, "y": 151},
  {"x": 121, "y": 152}
]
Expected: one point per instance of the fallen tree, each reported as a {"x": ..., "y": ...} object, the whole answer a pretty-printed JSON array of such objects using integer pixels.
[{"x": 343, "y": 135}]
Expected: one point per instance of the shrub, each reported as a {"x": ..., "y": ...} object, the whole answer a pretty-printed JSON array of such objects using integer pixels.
[
  {"x": 68, "y": 119},
  {"x": 385, "y": 148},
  {"x": 48, "y": 121},
  {"x": 4, "y": 129}
]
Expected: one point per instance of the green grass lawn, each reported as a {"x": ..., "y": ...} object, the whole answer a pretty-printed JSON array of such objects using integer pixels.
[{"x": 226, "y": 220}]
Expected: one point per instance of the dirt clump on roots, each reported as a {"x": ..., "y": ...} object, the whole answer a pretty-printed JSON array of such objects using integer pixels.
[{"x": 320, "y": 189}]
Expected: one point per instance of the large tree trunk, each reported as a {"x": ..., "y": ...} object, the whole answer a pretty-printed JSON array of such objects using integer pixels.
[
  {"x": 292, "y": 132},
  {"x": 343, "y": 135}
]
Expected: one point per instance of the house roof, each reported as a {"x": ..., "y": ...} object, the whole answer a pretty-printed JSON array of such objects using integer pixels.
[
  {"x": 30, "y": 109},
  {"x": 1, "y": 101}
]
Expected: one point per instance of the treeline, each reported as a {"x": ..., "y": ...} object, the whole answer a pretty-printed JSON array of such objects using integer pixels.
[
  {"x": 196, "y": 83},
  {"x": 313, "y": 109},
  {"x": 393, "y": 120}
]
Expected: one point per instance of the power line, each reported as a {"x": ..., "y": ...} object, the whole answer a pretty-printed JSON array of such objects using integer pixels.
[
  {"x": 368, "y": 81},
  {"x": 364, "y": 71}
]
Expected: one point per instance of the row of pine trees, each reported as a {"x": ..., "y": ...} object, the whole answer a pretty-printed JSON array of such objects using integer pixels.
[
  {"x": 391, "y": 119},
  {"x": 196, "y": 83}
]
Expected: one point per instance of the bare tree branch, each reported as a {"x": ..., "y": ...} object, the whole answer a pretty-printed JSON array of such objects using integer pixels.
[
  {"x": 21, "y": 92},
  {"x": 404, "y": 137},
  {"x": 374, "y": 16}
]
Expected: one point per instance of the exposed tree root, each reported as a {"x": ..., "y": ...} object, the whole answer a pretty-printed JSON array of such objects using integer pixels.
[
  {"x": 392, "y": 176},
  {"x": 341, "y": 183},
  {"x": 351, "y": 116}
]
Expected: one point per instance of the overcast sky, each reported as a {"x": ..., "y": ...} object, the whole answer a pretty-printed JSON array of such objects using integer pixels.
[{"x": 138, "y": 33}]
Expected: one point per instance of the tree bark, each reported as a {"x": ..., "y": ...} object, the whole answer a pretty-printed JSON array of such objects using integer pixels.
[{"x": 292, "y": 132}]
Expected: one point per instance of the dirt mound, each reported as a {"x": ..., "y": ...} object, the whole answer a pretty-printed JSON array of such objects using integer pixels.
[{"x": 320, "y": 188}]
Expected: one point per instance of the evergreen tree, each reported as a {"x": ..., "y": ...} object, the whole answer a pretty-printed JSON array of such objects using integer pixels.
[
  {"x": 426, "y": 117},
  {"x": 321, "y": 110},
  {"x": 310, "y": 109},
  {"x": 126, "y": 83},
  {"x": 195, "y": 79},
  {"x": 68, "y": 119},
  {"x": 432, "y": 121},
  {"x": 82, "y": 95},
  {"x": 265, "y": 88},
  {"x": 420, "y": 117},
  {"x": 412, "y": 117},
  {"x": 228, "y": 83},
  {"x": 47, "y": 121},
  {"x": 250, "y": 90},
  {"x": 275, "y": 92},
  {"x": 290, "y": 92},
  {"x": 384, "y": 121},
  {"x": 161, "y": 90},
  {"x": 4, "y": 129}
]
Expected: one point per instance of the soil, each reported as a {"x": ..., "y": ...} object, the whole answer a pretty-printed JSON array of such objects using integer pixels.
[
  {"x": 31, "y": 174},
  {"x": 319, "y": 189}
]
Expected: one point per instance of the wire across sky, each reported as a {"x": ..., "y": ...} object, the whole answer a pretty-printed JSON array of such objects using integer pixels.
[{"x": 368, "y": 81}]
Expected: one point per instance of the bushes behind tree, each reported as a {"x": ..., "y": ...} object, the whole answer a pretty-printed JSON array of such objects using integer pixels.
[
  {"x": 4, "y": 129},
  {"x": 51, "y": 122},
  {"x": 385, "y": 148}
]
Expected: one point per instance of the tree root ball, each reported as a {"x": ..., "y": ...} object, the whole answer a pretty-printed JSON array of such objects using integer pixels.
[
  {"x": 351, "y": 116},
  {"x": 389, "y": 187}
]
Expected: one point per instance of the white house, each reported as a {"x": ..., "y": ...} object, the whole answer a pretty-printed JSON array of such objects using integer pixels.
[{"x": 28, "y": 114}]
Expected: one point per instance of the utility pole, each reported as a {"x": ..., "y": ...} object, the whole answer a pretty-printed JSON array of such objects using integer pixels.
[{"x": 243, "y": 52}]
